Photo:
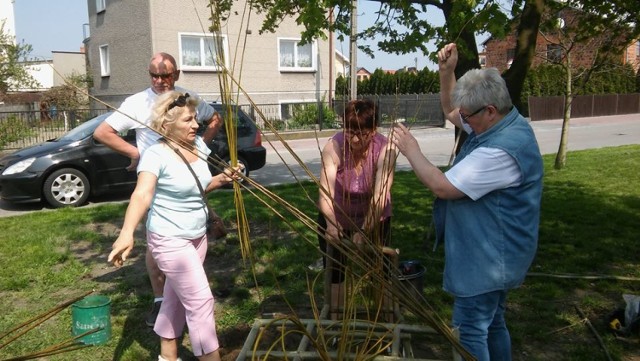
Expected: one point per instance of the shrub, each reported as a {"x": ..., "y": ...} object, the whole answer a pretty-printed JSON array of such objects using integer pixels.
[
  {"x": 306, "y": 116},
  {"x": 11, "y": 129}
]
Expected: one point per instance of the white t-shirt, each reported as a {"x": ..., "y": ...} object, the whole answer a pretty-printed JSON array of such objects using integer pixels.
[
  {"x": 139, "y": 106},
  {"x": 177, "y": 208},
  {"x": 484, "y": 170}
]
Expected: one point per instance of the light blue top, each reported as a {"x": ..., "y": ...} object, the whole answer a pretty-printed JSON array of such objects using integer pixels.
[
  {"x": 177, "y": 208},
  {"x": 490, "y": 242}
]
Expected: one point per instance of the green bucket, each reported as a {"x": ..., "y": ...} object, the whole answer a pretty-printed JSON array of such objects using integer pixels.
[{"x": 90, "y": 313}]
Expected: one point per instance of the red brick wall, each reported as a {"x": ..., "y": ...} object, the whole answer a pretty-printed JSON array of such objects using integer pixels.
[{"x": 581, "y": 56}]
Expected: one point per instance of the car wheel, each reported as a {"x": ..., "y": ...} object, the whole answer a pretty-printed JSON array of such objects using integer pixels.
[{"x": 66, "y": 187}]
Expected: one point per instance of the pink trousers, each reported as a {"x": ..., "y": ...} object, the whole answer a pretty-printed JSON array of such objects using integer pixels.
[{"x": 187, "y": 295}]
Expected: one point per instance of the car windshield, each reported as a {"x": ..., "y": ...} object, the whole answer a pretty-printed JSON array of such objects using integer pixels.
[
  {"x": 83, "y": 130},
  {"x": 238, "y": 115}
]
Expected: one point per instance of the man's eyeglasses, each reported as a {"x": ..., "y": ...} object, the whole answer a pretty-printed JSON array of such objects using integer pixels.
[
  {"x": 466, "y": 117},
  {"x": 179, "y": 101},
  {"x": 161, "y": 76}
]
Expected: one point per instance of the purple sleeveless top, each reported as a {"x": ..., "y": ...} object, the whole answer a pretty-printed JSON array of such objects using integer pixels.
[{"x": 353, "y": 191}]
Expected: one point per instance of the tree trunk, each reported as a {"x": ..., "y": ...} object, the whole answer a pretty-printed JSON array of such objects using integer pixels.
[
  {"x": 467, "y": 60},
  {"x": 525, "y": 50},
  {"x": 561, "y": 156}
]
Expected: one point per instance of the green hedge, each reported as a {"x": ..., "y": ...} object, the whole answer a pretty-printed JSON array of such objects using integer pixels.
[
  {"x": 549, "y": 80},
  {"x": 544, "y": 80}
]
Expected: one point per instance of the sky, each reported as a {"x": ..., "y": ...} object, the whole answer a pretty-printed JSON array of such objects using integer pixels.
[
  {"x": 50, "y": 25},
  {"x": 366, "y": 17},
  {"x": 58, "y": 25}
]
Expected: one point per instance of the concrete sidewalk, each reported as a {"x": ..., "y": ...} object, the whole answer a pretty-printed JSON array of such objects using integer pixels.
[{"x": 589, "y": 132}]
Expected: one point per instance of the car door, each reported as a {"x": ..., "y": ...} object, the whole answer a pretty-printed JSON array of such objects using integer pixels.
[{"x": 109, "y": 167}]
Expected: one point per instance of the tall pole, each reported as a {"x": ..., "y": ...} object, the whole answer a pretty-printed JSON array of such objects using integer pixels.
[
  {"x": 332, "y": 59},
  {"x": 353, "y": 50}
]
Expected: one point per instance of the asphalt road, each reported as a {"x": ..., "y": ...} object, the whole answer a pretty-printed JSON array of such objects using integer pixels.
[{"x": 436, "y": 143}]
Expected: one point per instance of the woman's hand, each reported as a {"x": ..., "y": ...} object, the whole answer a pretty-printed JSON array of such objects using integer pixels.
[
  {"x": 120, "y": 250},
  {"x": 448, "y": 58},
  {"x": 404, "y": 140},
  {"x": 332, "y": 232},
  {"x": 233, "y": 173},
  {"x": 228, "y": 175},
  {"x": 359, "y": 238}
]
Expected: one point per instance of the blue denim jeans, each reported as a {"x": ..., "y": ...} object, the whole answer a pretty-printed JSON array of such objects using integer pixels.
[{"x": 483, "y": 331}]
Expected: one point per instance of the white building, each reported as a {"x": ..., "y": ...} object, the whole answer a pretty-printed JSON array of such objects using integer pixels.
[
  {"x": 49, "y": 72},
  {"x": 7, "y": 17},
  {"x": 273, "y": 68},
  {"x": 53, "y": 72}
]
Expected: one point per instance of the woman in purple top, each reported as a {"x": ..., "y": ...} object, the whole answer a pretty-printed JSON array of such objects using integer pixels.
[{"x": 355, "y": 183}]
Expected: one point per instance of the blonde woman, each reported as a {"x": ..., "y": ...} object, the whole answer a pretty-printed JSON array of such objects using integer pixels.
[{"x": 176, "y": 226}]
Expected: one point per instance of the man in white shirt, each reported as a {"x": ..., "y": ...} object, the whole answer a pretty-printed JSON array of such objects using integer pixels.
[{"x": 135, "y": 113}]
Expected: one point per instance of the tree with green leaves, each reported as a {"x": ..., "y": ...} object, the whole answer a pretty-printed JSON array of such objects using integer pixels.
[
  {"x": 13, "y": 74},
  {"x": 402, "y": 26},
  {"x": 70, "y": 96},
  {"x": 599, "y": 34}
]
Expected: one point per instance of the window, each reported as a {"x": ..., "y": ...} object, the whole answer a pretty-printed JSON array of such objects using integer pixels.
[
  {"x": 295, "y": 57},
  {"x": 637, "y": 48},
  {"x": 554, "y": 53},
  {"x": 101, "y": 5},
  {"x": 105, "y": 68},
  {"x": 200, "y": 51},
  {"x": 511, "y": 54}
]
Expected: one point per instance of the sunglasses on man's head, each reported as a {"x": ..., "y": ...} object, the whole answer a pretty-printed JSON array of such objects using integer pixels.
[
  {"x": 180, "y": 101},
  {"x": 161, "y": 76}
]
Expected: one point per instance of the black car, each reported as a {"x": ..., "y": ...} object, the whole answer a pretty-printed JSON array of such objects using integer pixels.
[{"x": 67, "y": 170}]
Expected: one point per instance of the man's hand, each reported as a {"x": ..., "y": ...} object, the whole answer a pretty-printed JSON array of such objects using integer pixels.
[
  {"x": 133, "y": 165},
  {"x": 108, "y": 136},
  {"x": 214, "y": 125}
]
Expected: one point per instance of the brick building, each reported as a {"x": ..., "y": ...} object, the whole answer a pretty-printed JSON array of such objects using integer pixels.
[{"x": 499, "y": 53}]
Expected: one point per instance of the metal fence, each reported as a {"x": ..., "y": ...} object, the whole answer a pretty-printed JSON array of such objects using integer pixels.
[
  {"x": 19, "y": 129},
  {"x": 546, "y": 108},
  {"x": 418, "y": 109}
]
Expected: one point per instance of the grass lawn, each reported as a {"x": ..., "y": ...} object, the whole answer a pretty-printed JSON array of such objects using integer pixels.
[{"x": 588, "y": 257}]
